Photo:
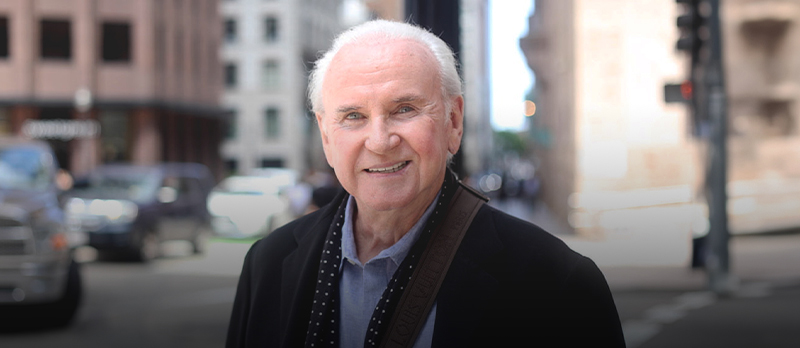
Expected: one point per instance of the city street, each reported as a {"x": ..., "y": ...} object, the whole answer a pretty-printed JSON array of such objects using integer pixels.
[
  {"x": 185, "y": 301},
  {"x": 176, "y": 301}
]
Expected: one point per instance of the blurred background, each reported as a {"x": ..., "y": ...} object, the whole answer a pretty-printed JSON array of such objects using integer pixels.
[{"x": 599, "y": 120}]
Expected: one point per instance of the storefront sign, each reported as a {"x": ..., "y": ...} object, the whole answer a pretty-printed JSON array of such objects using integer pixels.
[{"x": 61, "y": 129}]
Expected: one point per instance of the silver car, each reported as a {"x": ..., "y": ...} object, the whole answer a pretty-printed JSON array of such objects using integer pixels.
[{"x": 39, "y": 280}]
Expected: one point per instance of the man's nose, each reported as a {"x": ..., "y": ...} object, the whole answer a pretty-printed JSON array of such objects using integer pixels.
[{"x": 382, "y": 137}]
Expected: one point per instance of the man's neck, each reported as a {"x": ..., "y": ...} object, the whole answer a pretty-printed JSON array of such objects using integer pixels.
[{"x": 375, "y": 231}]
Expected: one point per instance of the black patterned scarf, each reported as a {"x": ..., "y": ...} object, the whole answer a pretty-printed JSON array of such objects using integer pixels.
[{"x": 323, "y": 328}]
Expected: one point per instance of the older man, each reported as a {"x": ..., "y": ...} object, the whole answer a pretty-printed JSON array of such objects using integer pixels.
[{"x": 387, "y": 98}]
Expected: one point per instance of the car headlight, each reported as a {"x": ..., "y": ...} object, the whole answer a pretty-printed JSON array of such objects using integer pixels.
[{"x": 116, "y": 211}]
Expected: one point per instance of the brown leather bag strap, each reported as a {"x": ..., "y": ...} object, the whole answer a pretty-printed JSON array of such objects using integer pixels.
[{"x": 420, "y": 293}]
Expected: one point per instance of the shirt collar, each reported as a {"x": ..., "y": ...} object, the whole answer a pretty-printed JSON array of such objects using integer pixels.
[{"x": 396, "y": 252}]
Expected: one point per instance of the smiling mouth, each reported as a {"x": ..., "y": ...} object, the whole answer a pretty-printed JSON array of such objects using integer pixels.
[{"x": 391, "y": 169}]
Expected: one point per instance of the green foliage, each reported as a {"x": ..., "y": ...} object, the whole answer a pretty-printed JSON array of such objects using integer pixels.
[{"x": 506, "y": 141}]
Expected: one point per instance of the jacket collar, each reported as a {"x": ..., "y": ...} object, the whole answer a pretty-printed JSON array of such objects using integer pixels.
[
  {"x": 300, "y": 269},
  {"x": 460, "y": 299}
]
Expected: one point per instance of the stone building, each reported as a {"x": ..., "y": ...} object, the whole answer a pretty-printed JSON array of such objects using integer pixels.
[
  {"x": 762, "y": 56},
  {"x": 109, "y": 80},
  {"x": 618, "y": 162},
  {"x": 268, "y": 49}
]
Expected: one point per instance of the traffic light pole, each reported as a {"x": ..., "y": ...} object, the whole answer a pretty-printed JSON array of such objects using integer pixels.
[{"x": 718, "y": 260}]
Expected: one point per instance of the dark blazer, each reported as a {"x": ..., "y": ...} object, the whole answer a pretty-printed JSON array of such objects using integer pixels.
[{"x": 511, "y": 284}]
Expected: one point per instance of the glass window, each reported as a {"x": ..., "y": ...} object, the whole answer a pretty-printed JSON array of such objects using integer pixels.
[
  {"x": 271, "y": 74},
  {"x": 272, "y": 123},
  {"x": 232, "y": 124},
  {"x": 230, "y": 75},
  {"x": 114, "y": 135},
  {"x": 116, "y": 42},
  {"x": 55, "y": 39},
  {"x": 3, "y": 37},
  {"x": 271, "y": 163},
  {"x": 270, "y": 29},
  {"x": 231, "y": 166},
  {"x": 5, "y": 122},
  {"x": 230, "y": 30}
]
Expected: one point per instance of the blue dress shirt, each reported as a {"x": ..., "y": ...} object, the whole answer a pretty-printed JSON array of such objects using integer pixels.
[{"x": 361, "y": 285}]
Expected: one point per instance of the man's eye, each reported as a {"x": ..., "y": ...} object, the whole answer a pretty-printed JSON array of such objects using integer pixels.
[
  {"x": 405, "y": 109},
  {"x": 352, "y": 116}
]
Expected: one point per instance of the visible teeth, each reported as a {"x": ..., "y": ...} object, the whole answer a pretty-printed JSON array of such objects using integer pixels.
[{"x": 391, "y": 169}]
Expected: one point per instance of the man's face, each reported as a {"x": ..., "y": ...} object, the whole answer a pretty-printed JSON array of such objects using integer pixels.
[{"x": 384, "y": 127}]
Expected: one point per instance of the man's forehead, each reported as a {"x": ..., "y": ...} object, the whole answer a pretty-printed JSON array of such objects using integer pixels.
[{"x": 381, "y": 52}]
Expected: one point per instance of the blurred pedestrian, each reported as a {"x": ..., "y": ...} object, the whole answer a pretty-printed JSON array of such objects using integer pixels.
[{"x": 371, "y": 268}]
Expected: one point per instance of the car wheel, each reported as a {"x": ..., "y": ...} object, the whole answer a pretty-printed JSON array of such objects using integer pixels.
[{"x": 149, "y": 248}]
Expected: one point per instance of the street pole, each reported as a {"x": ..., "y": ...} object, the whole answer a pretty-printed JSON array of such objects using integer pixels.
[
  {"x": 718, "y": 259},
  {"x": 441, "y": 17}
]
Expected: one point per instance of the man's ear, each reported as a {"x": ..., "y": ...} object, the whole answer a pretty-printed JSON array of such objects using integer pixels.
[
  {"x": 456, "y": 129},
  {"x": 323, "y": 133}
]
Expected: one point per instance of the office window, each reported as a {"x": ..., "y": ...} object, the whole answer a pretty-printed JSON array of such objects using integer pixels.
[
  {"x": 270, "y": 29},
  {"x": 231, "y": 166},
  {"x": 114, "y": 137},
  {"x": 55, "y": 39},
  {"x": 271, "y": 74},
  {"x": 230, "y": 30},
  {"x": 272, "y": 123},
  {"x": 5, "y": 122},
  {"x": 271, "y": 163},
  {"x": 230, "y": 75},
  {"x": 116, "y": 41},
  {"x": 3, "y": 37},
  {"x": 231, "y": 130}
]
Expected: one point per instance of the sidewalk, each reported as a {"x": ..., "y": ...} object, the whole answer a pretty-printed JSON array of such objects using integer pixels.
[
  {"x": 671, "y": 306},
  {"x": 664, "y": 303}
]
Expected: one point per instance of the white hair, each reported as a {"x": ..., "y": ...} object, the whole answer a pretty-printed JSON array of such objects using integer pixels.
[{"x": 388, "y": 31}]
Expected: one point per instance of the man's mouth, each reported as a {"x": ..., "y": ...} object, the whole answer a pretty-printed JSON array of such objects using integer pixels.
[{"x": 391, "y": 169}]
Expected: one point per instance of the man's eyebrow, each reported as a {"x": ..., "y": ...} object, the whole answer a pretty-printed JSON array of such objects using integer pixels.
[
  {"x": 406, "y": 99},
  {"x": 347, "y": 108}
]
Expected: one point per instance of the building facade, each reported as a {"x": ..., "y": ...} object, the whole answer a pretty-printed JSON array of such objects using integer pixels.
[
  {"x": 106, "y": 80},
  {"x": 615, "y": 160},
  {"x": 618, "y": 161},
  {"x": 477, "y": 144},
  {"x": 762, "y": 56},
  {"x": 268, "y": 49}
]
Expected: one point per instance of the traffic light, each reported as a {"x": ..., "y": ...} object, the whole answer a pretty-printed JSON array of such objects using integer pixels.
[
  {"x": 693, "y": 39},
  {"x": 679, "y": 92},
  {"x": 692, "y": 27}
]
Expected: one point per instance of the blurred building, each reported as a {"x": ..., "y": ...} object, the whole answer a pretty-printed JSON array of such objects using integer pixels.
[
  {"x": 477, "y": 142},
  {"x": 617, "y": 161},
  {"x": 762, "y": 57},
  {"x": 268, "y": 48},
  {"x": 107, "y": 80}
]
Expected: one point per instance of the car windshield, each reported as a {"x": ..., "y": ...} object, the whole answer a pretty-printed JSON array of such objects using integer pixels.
[
  {"x": 25, "y": 169},
  {"x": 131, "y": 184}
]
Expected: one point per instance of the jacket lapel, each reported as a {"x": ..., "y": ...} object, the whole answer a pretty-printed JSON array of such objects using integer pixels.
[{"x": 300, "y": 273}]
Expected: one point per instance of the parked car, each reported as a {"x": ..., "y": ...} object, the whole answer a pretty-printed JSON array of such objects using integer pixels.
[
  {"x": 245, "y": 206},
  {"x": 40, "y": 282},
  {"x": 128, "y": 210}
]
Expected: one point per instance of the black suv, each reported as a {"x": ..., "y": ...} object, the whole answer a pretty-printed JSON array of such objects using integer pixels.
[
  {"x": 128, "y": 210},
  {"x": 40, "y": 283}
]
